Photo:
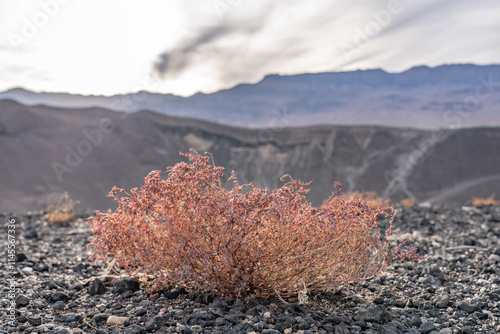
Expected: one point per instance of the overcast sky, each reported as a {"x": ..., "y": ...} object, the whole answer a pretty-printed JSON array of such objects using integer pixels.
[{"x": 186, "y": 46}]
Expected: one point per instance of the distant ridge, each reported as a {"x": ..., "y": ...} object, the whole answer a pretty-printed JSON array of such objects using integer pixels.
[{"x": 447, "y": 96}]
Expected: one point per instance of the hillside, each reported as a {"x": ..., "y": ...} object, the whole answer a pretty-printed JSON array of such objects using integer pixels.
[{"x": 86, "y": 152}]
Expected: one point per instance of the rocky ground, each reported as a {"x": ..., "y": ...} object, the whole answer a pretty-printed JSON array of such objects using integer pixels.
[{"x": 52, "y": 286}]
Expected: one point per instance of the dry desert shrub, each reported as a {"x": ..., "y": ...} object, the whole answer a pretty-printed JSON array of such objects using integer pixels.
[
  {"x": 187, "y": 230},
  {"x": 370, "y": 197},
  {"x": 60, "y": 210},
  {"x": 407, "y": 202},
  {"x": 477, "y": 201}
]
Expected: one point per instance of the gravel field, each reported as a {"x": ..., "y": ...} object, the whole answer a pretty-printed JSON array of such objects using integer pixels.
[{"x": 53, "y": 286}]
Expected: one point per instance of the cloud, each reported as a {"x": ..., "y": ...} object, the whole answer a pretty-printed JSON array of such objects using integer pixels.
[
  {"x": 217, "y": 41},
  {"x": 172, "y": 63},
  {"x": 250, "y": 40}
]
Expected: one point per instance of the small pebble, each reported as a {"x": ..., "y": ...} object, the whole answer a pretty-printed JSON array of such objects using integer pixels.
[{"x": 115, "y": 320}]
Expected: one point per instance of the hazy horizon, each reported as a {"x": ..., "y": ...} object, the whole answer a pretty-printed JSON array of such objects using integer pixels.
[{"x": 240, "y": 83}]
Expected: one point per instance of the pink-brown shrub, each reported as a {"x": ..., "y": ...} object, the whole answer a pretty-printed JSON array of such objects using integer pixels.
[{"x": 187, "y": 230}]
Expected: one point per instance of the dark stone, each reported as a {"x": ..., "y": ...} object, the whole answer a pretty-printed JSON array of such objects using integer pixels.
[
  {"x": 134, "y": 329},
  {"x": 389, "y": 329},
  {"x": 436, "y": 272},
  {"x": 441, "y": 302},
  {"x": 60, "y": 331},
  {"x": 221, "y": 304},
  {"x": 171, "y": 294},
  {"x": 53, "y": 285},
  {"x": 69, "y": 317},
  {"x": 116, "y": 306},
  {"x": 338, "y": 330},
  {"x": 253, "y": 311},
  {"x": 329, "y": 328},
  {"x": 302, "y": 325},
  {"x": 361, "y": 323},
  {"x": 401, "y": 302},
  {"x": 427, "y": 327},
  {"x": 41, "y": 267},
  {"x": 35, "y": 321},
  {"x": 468, "y": 307},
  {"x": 467, "y": 330},
  {"x": 334, "y": 320},
  {"x": 59, "y": 305},
  {"x": 156, "y": 323},
  {"x": 244, "y": 327},
  {"x": 124, "y": 285},
  {"x": 20, "y": 257},
  {"x": 416, "y": 322},
  {"x": 140, "y": 311},
  {"x": 79, "y": 268},
  {"x": 145, "y": 303},
  {"x": 229, "y": 331},
  {"x": 481, "y": 316},
  {"x": 220, "y": 322},
  {"x": 127, "y": 294},
  {"x": 284, "y": 321},
  {"x": 101, "y": 317},
  {"x": 238, "y": 307},
  {"x": 31, "y": 234},
  {"x": 38, "y": 305},
  {"x": 294, "y": 308},
  {"x": 96, "y": 287},
  {"x": 201, "y": 315},
  {"x": 270, "y": 331},
  {"x": 378, "y": 300},
  {"x": 185, "y": 329},
  {"x": 205, "y": 298},
  {"x": 372, "y": 313},
  {"x": 235, "y": 318},
  {"x": 22, "y": 301},
  {"x": 57, "y": 296}
]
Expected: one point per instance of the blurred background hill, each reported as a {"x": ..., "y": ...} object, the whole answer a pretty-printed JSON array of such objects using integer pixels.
[{"x": 47, "y": 150}]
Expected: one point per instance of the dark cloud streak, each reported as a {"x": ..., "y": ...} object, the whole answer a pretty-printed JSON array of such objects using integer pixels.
[{"x": 174, "y": 62}]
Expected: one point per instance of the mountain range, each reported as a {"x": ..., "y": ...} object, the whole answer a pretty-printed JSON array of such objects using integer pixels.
[{"x": 448, "y": 96}]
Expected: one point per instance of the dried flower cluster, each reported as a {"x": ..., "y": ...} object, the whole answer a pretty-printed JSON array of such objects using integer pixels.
[
  {"x": 187, "y": 230},
  {"x": 478, "y": 201},
  {"x": 61, "y": 210},
  {"x": 407, "y": 202},
  {"x": 370, "y": 197}
]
